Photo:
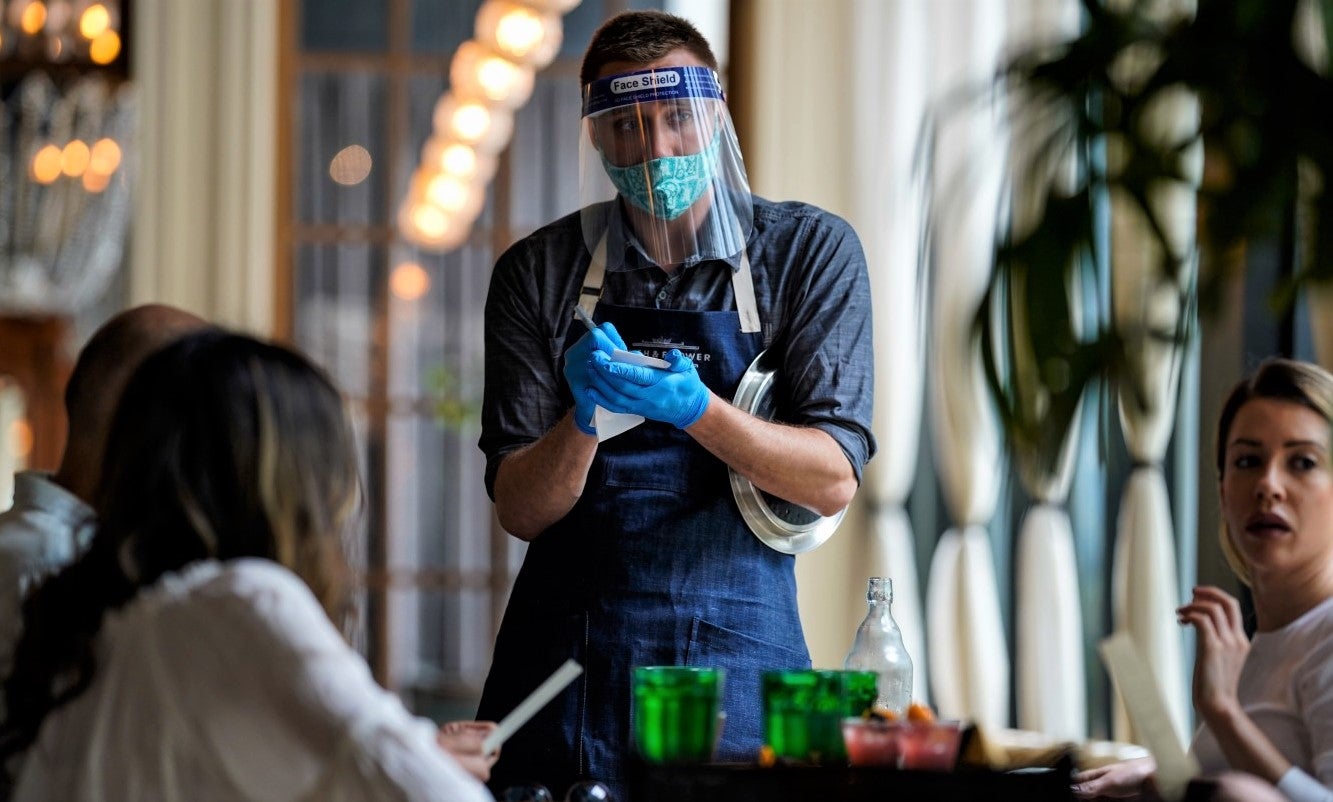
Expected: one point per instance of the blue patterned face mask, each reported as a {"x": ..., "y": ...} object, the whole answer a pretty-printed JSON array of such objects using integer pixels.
[{"x": 666, "y": 186}]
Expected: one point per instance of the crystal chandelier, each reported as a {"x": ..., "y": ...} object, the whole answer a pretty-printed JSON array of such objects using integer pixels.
[
  {"x": 67, "y": 127},
  {"x": 61, "y": 31}
]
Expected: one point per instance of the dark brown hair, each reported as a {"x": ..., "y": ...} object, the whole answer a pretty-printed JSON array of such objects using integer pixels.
[
  {"x": 222, "y": 447},
  {"x": 641, "y": 37}
]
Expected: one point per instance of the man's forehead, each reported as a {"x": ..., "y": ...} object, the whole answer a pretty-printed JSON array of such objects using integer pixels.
[
  {"x": 680, "y": 57},
  {"x": 648, "y": 107}
]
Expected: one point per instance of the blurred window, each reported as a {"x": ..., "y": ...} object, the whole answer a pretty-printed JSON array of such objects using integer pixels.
[{"x": 400, "y": 328}]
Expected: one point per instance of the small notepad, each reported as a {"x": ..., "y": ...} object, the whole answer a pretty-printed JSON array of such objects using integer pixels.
[{"x": 609, "y": 424}]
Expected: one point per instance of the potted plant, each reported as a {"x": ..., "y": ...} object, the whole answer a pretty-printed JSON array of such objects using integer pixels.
[{"x": 1259, "y": 154}]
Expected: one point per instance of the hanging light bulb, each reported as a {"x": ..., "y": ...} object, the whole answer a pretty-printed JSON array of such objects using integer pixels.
[
  {"x": 409, "y": 281},
  {"x": 93, "y": 21},
  {"x": 105, "y": 47},
  {"x": 519, "y": 32},
  {"x": 553, "y": 6},
  {"x": 477, "y": 71},
  {"x": 458, "y": 159},
  {"x": 429, "y": 226},
  {"x": 457, "y": 197},
  {"x": 428, "y": 220},
  {"x": 46, "y": 164},
  {"x": 105, "y": 157},
  {"x": 33, "y": 17},
  {"x": 74, "y": 158},
  {"x": 473, "y": 123},
  {"x": 448, "y": 192},
  {"x": 490, "y": 76}
]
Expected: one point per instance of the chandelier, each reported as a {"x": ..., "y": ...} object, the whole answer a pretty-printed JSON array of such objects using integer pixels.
[{"x": 77, "y": 32}]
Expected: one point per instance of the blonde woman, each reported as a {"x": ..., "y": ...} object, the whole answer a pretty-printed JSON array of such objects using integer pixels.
[
  {"x": 191, "y": 653},
  {"x": 1265, "y": 705}
]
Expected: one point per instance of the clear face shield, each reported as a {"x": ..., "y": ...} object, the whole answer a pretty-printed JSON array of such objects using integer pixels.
[{"x": 660, "y": 164}]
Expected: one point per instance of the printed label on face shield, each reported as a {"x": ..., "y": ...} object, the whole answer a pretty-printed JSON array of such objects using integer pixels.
[
  {"x": 651, "y": 80},
  {"x": 646, "y": 86}
]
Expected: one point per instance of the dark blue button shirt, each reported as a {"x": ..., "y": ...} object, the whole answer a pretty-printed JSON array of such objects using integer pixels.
[{"x": 810, "y": 284}]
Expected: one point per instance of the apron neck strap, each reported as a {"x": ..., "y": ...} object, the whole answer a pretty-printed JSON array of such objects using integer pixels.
[{"x": 742, "y": 285}]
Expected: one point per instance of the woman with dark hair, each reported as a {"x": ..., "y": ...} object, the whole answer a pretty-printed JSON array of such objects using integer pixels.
[
  {"x": 192, "y": 652},
  {"x": 1265, "y": 705}
]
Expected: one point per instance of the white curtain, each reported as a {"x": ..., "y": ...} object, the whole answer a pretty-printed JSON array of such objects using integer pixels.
[
  {"x": 203, "y": 234},
  {"x": 888, "y": 197},
  {"x": 1144, "y": 580},
  {"x": 1050, "y": 688},
  {"x": 970, "y": 666}
]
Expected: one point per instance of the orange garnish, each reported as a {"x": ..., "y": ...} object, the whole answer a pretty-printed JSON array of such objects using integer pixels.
[
  {"x": 881, "y": 713},
  {"x": 920, "y": 713},
  {"x": 767, "y": 757}
]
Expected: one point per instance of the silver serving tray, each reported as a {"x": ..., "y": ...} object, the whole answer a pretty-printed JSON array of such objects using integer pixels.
[{"x": 780, "y": 525}]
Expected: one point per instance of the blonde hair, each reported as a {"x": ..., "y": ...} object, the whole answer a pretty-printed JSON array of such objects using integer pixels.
[{"x": 1279, "y": 379}]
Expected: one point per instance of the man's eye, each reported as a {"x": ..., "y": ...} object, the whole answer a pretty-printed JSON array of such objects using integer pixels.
[{"x": 625, "y": 124}]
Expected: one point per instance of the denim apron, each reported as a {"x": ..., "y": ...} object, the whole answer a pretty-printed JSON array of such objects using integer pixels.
[{"x": 652, "y": 566}]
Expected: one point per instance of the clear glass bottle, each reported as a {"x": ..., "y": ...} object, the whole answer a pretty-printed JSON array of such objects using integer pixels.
[{"x": 879, "y": 647}]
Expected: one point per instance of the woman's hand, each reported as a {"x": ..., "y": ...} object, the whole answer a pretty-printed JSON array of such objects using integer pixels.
[
  {"x": 462, "y": 740},
  {"x": 1220, "y": 651},
  {"x": 1127, "y": 778}
]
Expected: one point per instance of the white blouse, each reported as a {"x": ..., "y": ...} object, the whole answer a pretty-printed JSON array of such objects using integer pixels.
[
  {"x": 227, "y": 681},
  {"x": 1286, "y": 687}
]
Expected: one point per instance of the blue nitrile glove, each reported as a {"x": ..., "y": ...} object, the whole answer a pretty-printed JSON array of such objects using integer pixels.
[
  {"x": 674, "y": 395},
  {"x": 604, "y": 339}
]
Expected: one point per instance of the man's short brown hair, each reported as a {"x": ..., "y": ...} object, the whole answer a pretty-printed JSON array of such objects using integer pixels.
[{"x": 641, "y": 37}]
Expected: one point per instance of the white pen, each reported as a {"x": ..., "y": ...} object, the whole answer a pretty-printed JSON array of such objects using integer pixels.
[
  {"x": 585, "y": 317},
  {"x": 618, "y": 354}
]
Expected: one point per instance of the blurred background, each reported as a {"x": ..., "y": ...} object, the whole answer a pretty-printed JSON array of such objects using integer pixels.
[{"x": 267, "y": 164}]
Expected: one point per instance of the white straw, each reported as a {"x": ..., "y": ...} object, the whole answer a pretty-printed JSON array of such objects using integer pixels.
[{"x": 528, "y": 708}]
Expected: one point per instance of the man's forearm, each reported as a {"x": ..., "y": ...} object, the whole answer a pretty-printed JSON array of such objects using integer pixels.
[
  {"x": 539, "y": 484},
  {"x": 800, "y": 464}
]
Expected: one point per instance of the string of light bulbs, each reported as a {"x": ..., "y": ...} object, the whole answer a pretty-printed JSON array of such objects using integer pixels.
[{"x": 490, "y": 76}]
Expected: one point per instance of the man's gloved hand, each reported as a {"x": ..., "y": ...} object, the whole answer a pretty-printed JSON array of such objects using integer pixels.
[
  {"x": 604, "y": 339},
  {"x": 674, "y": 395}
]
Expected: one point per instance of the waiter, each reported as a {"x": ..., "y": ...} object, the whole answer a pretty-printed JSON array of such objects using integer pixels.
[{"x": 638, "y": 554}]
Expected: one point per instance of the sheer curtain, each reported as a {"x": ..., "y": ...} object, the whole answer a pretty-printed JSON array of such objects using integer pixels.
[
  {"x": 1050, "y": 688},
  {"x": 203, "y": 234},
  {"x": 889, "y": 207},
  {"x": 1144, "y": 578},
  {"x": 856, "y": 153},
  {"x": 966, "y": 635}
]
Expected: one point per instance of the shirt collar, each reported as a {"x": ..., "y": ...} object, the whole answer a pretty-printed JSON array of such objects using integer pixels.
[
  {"x": 624, "y": 252},
  {"x": 36, "y": 490}
]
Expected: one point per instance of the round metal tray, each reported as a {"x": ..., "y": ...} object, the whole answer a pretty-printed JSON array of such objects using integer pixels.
[{"x": 780, "y": 525}]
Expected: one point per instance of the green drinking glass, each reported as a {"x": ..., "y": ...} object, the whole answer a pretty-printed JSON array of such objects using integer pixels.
[
  {"x": 803, "y": 711},
  {"x": 676, "y": 712}
]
